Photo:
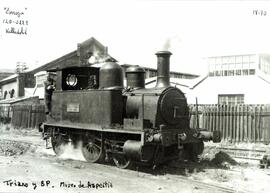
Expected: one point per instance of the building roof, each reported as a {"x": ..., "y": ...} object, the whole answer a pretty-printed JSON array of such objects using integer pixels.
[
  {"x": 231, "y": 55},
  {"x": 53, "y": 63},
  {"x": 73, "y": 58},
  {"x": 153, "y": 69},
  {"x": 11, "y": 78},
  {"x": 16, "y": 100},
  {"x": 183, "y": 84},
  {"x": 4, "y": 73},
  {"x": 78, "y": 57}
]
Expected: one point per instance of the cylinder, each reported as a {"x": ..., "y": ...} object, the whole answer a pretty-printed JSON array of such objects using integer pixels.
[
  {"x": 135, "y": 77},
  {"x": 163, "y": 69},
  {"x": 133, "y": 149}
]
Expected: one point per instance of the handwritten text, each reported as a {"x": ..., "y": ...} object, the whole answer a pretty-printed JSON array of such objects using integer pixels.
[
  {"x": 259, "y": 12},
  {"x": 15, "y": 21},
  {"x": 48, "y": 184}
]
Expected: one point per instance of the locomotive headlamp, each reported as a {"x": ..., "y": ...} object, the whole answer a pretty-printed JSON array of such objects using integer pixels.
[{"x": 71, "y": 80}]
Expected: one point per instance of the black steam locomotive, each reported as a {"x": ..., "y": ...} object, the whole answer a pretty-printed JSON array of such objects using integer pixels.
[{"x": 133, "y": 124}]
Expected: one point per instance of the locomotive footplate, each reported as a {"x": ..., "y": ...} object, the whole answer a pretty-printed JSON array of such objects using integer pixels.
[{"x": 87, "y": 127}]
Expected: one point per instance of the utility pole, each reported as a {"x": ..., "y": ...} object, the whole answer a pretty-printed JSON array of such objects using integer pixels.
[{"x": 21, "y": 67}]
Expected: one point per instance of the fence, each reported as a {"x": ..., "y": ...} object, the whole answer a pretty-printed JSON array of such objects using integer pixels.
[
  {"x": 23, "y": 116},
  {"x": 5, "y": 113},
  {"x": 26, "y": 116},
  {"x": 239, "y": 123}
]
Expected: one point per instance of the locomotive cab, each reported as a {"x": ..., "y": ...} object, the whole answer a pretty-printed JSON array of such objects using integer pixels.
[
  {"x": 78, "y": 78},
  {"x": 78, "y": 100}
]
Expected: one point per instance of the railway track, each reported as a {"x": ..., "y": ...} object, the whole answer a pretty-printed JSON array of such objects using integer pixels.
[
  {"x": 210, "y": 186},
  {"x": 241, "y": 153},
  {"x": 198, "y": 184},
  {"x": 172, "y": 170}
]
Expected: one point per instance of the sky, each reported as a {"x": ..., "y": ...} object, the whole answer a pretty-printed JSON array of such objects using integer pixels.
[{"x": 134, "y": 30}]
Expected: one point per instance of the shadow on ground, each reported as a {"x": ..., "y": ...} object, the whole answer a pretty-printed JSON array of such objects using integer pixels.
[{"x": 221, "y": 160}]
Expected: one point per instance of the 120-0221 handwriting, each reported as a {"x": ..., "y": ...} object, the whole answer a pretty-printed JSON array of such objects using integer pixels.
[
  {"x": 18, "y": 22},
  {"x": 48, "y": 184}
]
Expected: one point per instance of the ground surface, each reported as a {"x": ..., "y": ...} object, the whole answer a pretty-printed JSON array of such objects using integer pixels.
[{"x": 27, "y": 166}]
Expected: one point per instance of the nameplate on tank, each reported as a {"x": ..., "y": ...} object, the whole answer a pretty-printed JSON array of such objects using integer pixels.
[{"x": 73, "y": 107}]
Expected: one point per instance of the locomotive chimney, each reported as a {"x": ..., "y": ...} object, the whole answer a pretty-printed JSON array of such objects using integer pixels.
[{"x": 163, "y": 69}]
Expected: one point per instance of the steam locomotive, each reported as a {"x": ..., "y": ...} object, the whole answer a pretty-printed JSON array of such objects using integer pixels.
[{"x": 125, "y": 125}]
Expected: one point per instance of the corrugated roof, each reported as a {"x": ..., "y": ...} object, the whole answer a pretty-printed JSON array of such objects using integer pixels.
[
  {"x": 154, "y": 69},
  {"x": 15, "y": 100},
  {"x": 189, "y": 83},
  {"x": 10, "y": 78},
  {"x": 182, "y": 84}
]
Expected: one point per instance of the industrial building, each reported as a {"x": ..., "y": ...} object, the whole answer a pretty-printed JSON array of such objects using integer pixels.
[
  {"x": 30, "y": 82},
  {"x": 234, "y": 79},
  {"x": 152, "y": 72}
]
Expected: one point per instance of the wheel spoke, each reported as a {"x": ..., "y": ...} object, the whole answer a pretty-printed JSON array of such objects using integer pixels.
[
  {"x": 92, "y": 150},
  {"x": 121, "y": 161},
  {"x": 98, "y": 147}
]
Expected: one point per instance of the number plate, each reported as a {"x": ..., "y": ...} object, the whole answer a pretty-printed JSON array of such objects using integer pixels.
[{"x": 73, "y": 107}]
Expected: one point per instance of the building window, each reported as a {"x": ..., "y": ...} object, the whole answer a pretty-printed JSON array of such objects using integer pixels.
[
  {"x": 230, "y": 72},
  {"x": 152, "y": 73},
  {"x": 264, "y": 63},
  {"x": 11, "y": 93},
  {"x": 251, "y": 71},
  {"x": 218, "y": 73},
  {"x": 231, "y": 99},
  {"x": 243, "y": 65},
  {"x": 5, "y": 94},
  {"x": 238, "y": 72},
  {"x": 245, "y": 72}
]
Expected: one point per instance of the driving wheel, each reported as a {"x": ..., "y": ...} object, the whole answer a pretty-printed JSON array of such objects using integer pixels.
[
  {"x": 93, "y": 149},
  {"x": 121, "y": 161},
  {"x": 58, "y": 143}
]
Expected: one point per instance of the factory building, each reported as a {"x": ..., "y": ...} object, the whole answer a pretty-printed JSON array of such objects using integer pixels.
[
  {"x": 152, "y": 72},
  {"x": 30, "y": 82},
  {"x": 234, "y": 79}
]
